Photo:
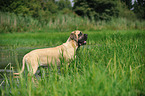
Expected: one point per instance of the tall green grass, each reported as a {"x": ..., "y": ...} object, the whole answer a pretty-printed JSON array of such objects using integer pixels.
[
  {"x": 71, "y": 22},
  {"x": 111, "y": 64},
  {"x": 10, "y": 22}
]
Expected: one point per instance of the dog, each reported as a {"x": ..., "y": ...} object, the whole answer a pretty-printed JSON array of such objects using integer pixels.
[{"x": 46, "y": 56}]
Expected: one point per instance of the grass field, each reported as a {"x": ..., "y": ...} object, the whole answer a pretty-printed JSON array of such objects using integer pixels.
[{"x": 111, "y": 64}]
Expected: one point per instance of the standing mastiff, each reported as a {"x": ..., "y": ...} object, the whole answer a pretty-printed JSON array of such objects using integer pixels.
[{"x": 46, "y": 56}]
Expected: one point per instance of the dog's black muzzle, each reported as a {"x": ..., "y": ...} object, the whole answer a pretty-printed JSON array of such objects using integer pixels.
[{"x": 82, "y": 40}]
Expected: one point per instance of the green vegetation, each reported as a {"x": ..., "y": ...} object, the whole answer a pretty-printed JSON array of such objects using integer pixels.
[
  {"x": 112, "y": 64},
  {"x": 41, "y": 39},
  {"x": 32, "y": 15},
  {"x": 10, "y": 23}
]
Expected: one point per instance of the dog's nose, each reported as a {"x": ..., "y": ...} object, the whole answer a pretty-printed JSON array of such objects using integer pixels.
[{"x": 85, "y": 35}]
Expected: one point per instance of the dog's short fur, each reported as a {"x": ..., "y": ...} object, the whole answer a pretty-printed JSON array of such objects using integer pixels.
[{"x": 46, "y": 56}]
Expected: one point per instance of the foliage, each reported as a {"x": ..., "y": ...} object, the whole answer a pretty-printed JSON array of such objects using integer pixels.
[
  {"x": 139, "y": 9},
  {"x": 63, "y": 4},
  {"x": 125, "y": 12},
  {"x": 103, "y": 10},
  {"x": 128, "y": 3},
  {"x": 39, "y": 9},
  {"x": 99, "y": 9}
]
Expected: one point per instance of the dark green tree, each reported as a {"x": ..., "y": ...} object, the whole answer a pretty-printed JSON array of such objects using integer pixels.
[
  {"x": 139, "y": 9},
  {"x": 63, "y": 4},
  {"x": 99, "y": 9},
  {"x": 43, "y": 10},
  {"x": 128, "y": 3},
  {"x": 28, "y": 7},
  {"x": 104, "y": 9},
  {"x": 16, "y": 6}
]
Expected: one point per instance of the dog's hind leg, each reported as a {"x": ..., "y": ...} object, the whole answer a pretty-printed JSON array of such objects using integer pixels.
[{"x": 32, "y": 66}]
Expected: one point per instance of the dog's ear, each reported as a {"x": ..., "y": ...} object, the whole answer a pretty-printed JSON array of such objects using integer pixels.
[{"x": 73, "y": 36}]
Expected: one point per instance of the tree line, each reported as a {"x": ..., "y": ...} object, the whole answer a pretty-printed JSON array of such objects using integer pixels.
[{"x": 43, "y": 10}]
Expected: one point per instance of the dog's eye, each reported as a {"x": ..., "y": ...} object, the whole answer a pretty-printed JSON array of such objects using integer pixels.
[{"x": 80, "y": 34}]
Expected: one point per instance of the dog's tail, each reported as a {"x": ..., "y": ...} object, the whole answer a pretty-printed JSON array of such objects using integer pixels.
[{"x": 23, "y": 66}]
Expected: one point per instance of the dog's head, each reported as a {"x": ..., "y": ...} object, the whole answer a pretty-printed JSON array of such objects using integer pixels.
[{"x": 79, "y": 37}]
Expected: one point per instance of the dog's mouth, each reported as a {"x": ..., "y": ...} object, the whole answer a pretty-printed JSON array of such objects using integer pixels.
[
  {"x": 82, "y": 40},
  {"x": 82, "y": 43}
]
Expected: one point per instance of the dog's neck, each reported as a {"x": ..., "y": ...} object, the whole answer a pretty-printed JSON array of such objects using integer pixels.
[
  {"x": 69, "y": 39},
  {"x": 74, "y": 43}
]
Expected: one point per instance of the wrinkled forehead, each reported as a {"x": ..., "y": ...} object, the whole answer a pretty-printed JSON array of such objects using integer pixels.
[{"x": 77, "y": 32}]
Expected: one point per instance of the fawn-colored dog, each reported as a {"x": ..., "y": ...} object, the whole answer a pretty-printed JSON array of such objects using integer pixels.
[{"x": 46, "y": 56}]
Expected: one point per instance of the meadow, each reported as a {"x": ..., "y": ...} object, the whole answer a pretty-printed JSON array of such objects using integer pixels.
[{"x": 111, "y": 64}]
